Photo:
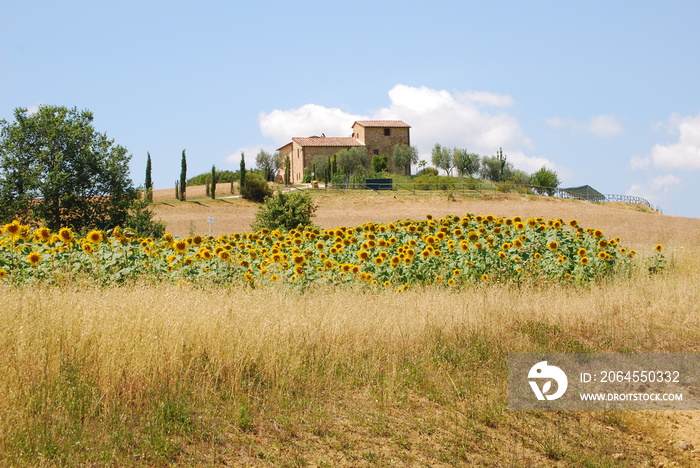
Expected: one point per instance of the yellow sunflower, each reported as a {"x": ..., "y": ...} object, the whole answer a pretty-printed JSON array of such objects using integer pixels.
[
  {"x": 34, "y": 258},
  {"x": 65, "y": 234},
  {"x": 94, "y": 237},
  {"x": 180, "y": 246}
]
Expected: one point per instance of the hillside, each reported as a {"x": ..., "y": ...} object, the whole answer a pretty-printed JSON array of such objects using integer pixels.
[{"x": 637, "y": 226}]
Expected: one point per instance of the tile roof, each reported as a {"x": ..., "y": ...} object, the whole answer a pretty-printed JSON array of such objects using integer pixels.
[
  {"x": 327, "y": 141},
  {"x": 381, "y": 123}
]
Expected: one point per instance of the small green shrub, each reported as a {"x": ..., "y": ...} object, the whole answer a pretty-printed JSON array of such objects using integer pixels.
[
  {"x": 285, "y": 211},
  {"x": 255, "y": 188}
]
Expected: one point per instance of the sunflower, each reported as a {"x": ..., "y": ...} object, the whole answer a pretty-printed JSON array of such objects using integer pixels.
[
  {"x": 658, "y": 247},
  {"x": 484, "y": 277},
  {"x": 43, "y": 234},
  {"x": 602, "y": 255},
  {"x": 473, "y": 236},
  {"x": 3, "y": 273},
  {"x": 34, "y": 258},
  {"x": 394, "y": 261},
  {"x": 88, "y": 248},
  {"x": 378, "y": 260},
  {"x": 602, "y": 243},
  {"x": 537, "y": 255},
  {"x": 362, "y": 255},
  {"x": 553, "y": 245},
  {"x": 180, "y": 246},
  {"x": 583, "y": 260},
  {"x": 14, "y": 228},
  {"x": 65, "y": 234},
  {"x": 94, "y": 237},
  {"x": 299, "y": 260},
  {"x": 581, "y": 252},
  {"x": 597, "y": 233},
  {"x": 573, "y": 223}
]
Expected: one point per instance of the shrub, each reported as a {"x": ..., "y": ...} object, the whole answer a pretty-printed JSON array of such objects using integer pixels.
[
  {"x": 255, "y": 188},
  {"x": 435, "y": 182},
  {"x": 285, "y": 211}
]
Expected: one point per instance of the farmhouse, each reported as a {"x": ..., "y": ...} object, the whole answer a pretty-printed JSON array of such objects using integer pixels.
[{"x": 377, "y": 136}]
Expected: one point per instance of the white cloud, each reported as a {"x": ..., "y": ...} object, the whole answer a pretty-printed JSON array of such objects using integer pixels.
[
  {"x": 683, "y": 154},
  {"x": 600, "y": 125},
  {"x": 471, "y": 120},
  {"x": 639, "y": 162},
  {"x": 657, "y": 189},
  {"x": 492, "y": 99},
  {"x": 307, "y": 120},
  {"x": 250, "y": 151}
]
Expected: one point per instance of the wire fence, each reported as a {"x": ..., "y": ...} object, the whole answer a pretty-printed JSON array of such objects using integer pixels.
[{"x": 480, "y": 187}]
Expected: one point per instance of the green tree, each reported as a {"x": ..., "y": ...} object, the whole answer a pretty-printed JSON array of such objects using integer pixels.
[
  {"x": 379, "y": 162},
  {"x": 352, "y": 161},
  {"x": 183, "y": 177},
  {"x": 285, "y": 211},
  {"x": 212, "y": 191},
  {"x": 287, "y": 171},
  {"x": 402, "y": 156},
  {"x": 148, "y": 185},
  {"x": 442, "y": 158},
  {"x": 467, "y": 164},
  {"x": 267, "y": 163},
  {"x": 496, "y": 168},
  {"x": 241, "y": 173},
  {"x": 545, "y": 181},
  {"x": 255, "y": 188},
  {"x": 55, "y": 168}
]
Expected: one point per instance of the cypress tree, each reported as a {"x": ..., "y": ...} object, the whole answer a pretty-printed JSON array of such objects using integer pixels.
[
  {"x": 287, "y": 171},
  {"x": 183, "y": 176},
  {"x": 149, "y": 182},
  {"x": 241, "y": 180},
  {"x": 212, "y": 191}
]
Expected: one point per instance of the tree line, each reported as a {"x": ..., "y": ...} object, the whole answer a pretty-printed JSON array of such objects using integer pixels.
[{"x": 495, "y": 168}]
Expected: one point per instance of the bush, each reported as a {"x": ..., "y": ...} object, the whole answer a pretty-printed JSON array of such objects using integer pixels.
[
  {"x": 255, "y": 188},
  {"x": 140, "y": 219},
  {"x": 428, "y": 171},
  {"x": 285, "y": 211},
  {"x": 435, "y": 182}
]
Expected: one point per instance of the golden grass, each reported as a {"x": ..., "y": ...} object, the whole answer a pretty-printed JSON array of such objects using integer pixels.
[
  {"x": 254, "y": 376},
  {"x": 164, "y": 374}
]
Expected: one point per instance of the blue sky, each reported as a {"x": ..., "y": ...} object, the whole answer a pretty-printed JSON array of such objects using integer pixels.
[{"x": 605, "y": 93}]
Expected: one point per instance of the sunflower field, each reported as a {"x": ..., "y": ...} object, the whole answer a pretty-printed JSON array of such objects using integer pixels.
[{"x": 453, "y": 251}]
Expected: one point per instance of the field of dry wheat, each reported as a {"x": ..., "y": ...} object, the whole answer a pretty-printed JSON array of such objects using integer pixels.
[{"x": 165, "y": 374}]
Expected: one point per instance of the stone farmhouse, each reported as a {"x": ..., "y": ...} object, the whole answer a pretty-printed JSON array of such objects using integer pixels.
[{"x": 377, "y": 136}]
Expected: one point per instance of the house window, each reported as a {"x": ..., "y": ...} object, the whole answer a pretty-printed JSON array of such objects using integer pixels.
[
  {"x": 387, "y": 132},
  {"x": 376, "y": 152}
]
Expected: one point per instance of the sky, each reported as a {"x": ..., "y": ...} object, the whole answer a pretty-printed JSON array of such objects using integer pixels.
[{"x": 604, "y": 93}]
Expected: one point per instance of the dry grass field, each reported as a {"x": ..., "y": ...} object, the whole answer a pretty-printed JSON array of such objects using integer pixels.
[{"x": 180, "y": 375}]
